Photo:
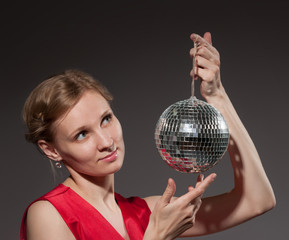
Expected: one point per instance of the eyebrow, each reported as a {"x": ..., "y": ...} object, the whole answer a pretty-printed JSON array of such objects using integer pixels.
[{"x": 83, "y": 127}]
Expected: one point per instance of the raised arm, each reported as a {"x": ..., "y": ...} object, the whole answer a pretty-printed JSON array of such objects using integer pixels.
[{"x": 252, "y": 194}]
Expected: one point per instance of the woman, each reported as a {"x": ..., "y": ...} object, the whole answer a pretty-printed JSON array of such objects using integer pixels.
[{"x": 70, "y": 119}]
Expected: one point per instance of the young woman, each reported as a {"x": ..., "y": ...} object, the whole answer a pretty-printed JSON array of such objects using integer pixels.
[{"x": 69, "y": 118}]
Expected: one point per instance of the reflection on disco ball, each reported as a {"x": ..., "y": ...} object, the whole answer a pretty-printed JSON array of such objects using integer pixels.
[{"x": 191, "y": 136}]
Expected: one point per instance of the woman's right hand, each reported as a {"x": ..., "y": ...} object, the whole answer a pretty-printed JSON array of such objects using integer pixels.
[{"x": 172, "y": 216}]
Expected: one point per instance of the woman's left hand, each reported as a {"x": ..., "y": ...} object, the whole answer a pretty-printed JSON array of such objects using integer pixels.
[{"x": 207, "y": 65}]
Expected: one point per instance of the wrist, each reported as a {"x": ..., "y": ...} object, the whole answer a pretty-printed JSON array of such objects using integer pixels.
[
  {"x": 219, "y": 99},
  {"x": 150, "y": 233},
  {"x": 153, "y": 232}
]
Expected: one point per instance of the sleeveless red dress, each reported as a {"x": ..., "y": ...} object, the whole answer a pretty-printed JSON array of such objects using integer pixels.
[{"x": 86, "y": 223}]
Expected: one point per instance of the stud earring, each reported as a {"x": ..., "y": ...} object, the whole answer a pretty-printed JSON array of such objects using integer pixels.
[{"x": 58, "y": 164}]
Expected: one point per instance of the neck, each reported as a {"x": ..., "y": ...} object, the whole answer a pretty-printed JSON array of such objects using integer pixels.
[{"x": 96, "y": 190}]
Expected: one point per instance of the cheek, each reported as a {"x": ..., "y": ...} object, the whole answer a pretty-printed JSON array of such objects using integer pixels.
[
  {"x": 117, "y": 134},
  {"x": 79, "y": 152}
]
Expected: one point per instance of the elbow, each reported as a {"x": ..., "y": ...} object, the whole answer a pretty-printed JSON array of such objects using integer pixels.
[
  {"x": 270, "y": 203},
  {"x": 265, "y": 205}
]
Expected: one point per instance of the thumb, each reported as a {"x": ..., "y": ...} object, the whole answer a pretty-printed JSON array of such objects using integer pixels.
[{"x": 169, "y": 192}]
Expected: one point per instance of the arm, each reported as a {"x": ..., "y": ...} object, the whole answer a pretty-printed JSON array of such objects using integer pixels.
[
  {"x": 45, "y": 223},
  {"x": 252, "y": 194}
]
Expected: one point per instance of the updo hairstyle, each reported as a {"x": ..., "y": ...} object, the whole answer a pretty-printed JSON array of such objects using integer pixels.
[{"x": 54, "y": 97}]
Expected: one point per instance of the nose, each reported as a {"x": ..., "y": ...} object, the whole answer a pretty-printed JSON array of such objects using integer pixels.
[{"x": 104, "y": 142}]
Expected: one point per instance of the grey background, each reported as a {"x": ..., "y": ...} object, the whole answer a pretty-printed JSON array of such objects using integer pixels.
[{"x": 140, "y": 51}]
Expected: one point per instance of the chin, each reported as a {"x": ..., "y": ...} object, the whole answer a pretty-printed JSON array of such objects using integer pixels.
[{"x": 116, "y": 167}]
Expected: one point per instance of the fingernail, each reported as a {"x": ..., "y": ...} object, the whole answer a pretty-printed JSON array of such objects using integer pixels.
[
  {"x": 214, "y": 175},
  {"x": 193, "y": 36}
]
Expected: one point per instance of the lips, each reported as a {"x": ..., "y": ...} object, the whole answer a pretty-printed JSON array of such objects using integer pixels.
[{"x": 110, "y": 157}]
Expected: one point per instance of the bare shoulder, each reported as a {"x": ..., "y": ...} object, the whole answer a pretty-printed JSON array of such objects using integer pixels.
[
  {"x": 151, "y": 201},
  {"x": 44, "y": 222}
]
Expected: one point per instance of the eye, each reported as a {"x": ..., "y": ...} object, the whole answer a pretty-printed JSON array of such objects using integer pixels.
[
  {"x": 80, "y": 136},
  {"x": 106, "y": 119}
]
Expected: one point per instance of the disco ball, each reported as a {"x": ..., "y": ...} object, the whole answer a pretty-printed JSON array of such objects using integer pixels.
[{"x": 191, "y": 136}]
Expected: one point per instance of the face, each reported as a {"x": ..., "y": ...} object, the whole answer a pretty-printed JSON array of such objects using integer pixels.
[{"x": 88, "y": 139}]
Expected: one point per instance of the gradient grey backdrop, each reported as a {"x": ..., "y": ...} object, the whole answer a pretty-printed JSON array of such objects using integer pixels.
[{"x": 140, "y": 50}]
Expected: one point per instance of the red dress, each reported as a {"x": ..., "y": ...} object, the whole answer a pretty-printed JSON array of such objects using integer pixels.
[{"x": 86, "y": 223}]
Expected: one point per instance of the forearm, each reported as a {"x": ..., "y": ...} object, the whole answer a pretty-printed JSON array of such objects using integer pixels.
[
  {"x": 252, "y": 194},
  {"x": 251, "y": 181}
]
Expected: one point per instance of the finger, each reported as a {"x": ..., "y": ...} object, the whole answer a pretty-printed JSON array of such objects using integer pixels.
[
  {"x": 197, "y": 201},
  {"x": 169, "y": 192},
  {"x": 194, "y": 71},
  {"x": 197, "y": 204},
  {"x": 207, "y": 65},
  {"x": 200, "y": 179},
  {"x": 210, "y": 54},
  {"x": 194, "y": 74},
  {"x": 198, "y": 191},
  {"x": 208, "y": 74},
  {"x": 199, "y": 41},
  {"x": 190, "y": 188},
  {"x": 196, "y": 38},
  {"x": 193, "y": 52},
  {"x": 208, "y": 37}
]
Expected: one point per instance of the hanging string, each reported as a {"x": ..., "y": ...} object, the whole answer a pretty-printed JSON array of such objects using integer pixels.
[{"x": 194, "y": 70}]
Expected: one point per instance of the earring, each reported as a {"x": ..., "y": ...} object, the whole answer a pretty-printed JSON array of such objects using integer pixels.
[{"x": 58, "y": 164}]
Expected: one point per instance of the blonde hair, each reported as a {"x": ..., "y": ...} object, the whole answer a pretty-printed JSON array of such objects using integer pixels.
[{"x": 54, "y": 97}]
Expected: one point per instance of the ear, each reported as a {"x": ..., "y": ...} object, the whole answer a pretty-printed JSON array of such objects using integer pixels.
[{"x": 49, "y": 150}]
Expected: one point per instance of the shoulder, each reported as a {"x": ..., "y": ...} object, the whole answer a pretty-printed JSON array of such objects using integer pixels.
[
  {"x": 40, "y": 209},
  {"x": 44, "y": 222},
  {"x": 151, "y": 201}
]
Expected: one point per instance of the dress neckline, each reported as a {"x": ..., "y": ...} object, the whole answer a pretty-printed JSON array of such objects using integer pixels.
[{"x": 94, "y": 210}]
